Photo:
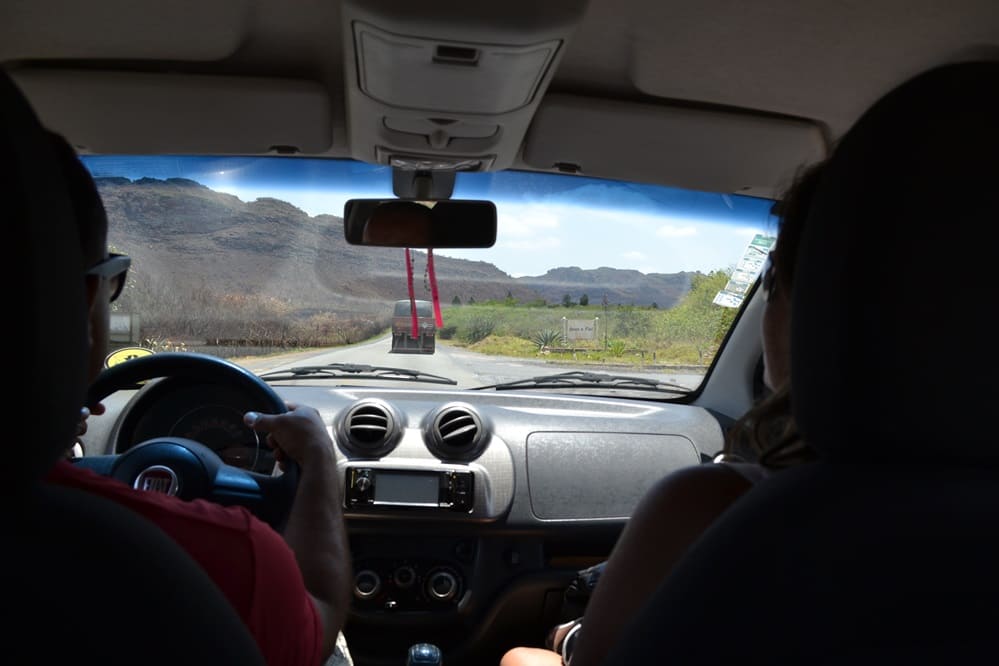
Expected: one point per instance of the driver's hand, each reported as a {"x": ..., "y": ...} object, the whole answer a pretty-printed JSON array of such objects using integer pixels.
[
  {"x": 85, "y": 412},
  {"x": 299, "y": 434},
  {"x": 76, "y": 450}
]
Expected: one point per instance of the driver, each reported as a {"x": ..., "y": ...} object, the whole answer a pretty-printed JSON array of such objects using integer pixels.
[{"x": 291, "y": 590}]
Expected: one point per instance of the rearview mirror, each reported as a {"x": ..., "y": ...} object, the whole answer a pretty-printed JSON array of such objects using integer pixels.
[{"x": 406, "y": 223}]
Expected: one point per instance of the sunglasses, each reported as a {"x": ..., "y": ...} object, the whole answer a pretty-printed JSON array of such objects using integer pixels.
[{"x": 114, "y": 269}]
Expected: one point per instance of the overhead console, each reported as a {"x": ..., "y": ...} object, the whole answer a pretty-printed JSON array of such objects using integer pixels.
[{"x": 448, "y": 85}]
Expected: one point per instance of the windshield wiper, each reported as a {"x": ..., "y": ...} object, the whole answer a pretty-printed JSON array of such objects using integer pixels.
[
  {"x": 580, "y": 379},
  {"x": 355, "y": 371}
]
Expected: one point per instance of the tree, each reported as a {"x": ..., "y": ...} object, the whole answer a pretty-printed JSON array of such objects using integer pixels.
[
  {"x": 456, "y": 300},
  {"x": 471, "y": 300},
  {"x": 567, "y": 301},
  {"x": 696, "y": 320},
  {"x": 584, "y": 300}
]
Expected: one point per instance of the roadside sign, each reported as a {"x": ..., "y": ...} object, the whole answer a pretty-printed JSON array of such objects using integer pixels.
[
  {"x": 123, "y": 327},
  {"x": 125, "y": 354},
  {"x": 579, "y": 329},
  {"x": 746, "y": 272}
]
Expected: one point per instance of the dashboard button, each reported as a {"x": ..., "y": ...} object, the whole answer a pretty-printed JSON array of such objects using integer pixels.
[
  {"x": 442, "y": 586},
  {"x": 367, "y": 584}
]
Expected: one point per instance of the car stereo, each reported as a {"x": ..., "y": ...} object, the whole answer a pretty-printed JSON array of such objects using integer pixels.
[{"x": 393, "y": 488}]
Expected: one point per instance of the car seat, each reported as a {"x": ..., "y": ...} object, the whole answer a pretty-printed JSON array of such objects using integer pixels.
[
  {"x": 885, "y": 550},
  {"x": 84, "y": 580}
]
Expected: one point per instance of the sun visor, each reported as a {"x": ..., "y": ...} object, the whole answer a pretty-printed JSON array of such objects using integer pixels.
[
  {"x": 712, "y": 150},
  {"x": 181, "y": 30},
  {"x": 112, "y": 112}
]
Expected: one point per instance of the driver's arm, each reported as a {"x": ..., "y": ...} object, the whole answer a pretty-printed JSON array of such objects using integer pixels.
[{"x": 315, "y": 529}]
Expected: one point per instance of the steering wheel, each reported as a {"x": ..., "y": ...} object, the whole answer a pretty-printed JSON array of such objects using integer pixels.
[{"x": 184, "y": 467}]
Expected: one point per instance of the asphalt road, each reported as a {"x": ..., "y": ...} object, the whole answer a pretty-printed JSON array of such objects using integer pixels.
[{"x": 468, "y": 368}]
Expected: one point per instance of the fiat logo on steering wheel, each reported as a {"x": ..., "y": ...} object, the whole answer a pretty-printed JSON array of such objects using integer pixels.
[{"x": 158, "y": 479}]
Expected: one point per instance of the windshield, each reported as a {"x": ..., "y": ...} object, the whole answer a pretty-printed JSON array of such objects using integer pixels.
[{"x": 245, "y": 258}]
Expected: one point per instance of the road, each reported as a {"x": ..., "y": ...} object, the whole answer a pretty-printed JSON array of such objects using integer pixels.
[{"x": 468, "y": 368}]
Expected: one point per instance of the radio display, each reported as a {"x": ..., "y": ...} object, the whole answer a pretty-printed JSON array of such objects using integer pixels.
[{"x": 403, "y": 488}]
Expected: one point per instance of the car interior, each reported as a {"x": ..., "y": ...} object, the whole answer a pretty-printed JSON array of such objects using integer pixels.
[
  {"x": 76, "y": 561},
  {"x": 469, "y": 511}
]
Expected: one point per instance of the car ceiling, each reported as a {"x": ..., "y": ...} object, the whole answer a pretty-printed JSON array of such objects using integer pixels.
[{"x": 719, "y": 95}]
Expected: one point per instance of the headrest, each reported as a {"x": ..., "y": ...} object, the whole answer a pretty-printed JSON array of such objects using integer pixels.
[
  {"x": 893, "y": 355},
  {"x": 46, "y": 288}
]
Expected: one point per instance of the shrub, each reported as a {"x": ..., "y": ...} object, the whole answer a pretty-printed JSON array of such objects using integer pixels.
[
  {"x": 547, "y": 338},
  {"x": 478, "y": 328}
]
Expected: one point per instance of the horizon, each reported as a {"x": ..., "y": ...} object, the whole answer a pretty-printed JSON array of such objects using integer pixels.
[{"x": 667, "y": 230}]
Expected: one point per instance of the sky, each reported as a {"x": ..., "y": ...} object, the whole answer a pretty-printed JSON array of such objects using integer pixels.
[{"x": 544, "y": 220}]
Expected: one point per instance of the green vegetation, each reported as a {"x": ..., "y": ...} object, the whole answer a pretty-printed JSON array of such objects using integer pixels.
[
  {"x": 687, "y": 334},
  {"x": 205, "y": 317},
  {"x": 547, "y": 338},
  {"x": 476, "y": 328},
  {"x": 505, "y": 345}
]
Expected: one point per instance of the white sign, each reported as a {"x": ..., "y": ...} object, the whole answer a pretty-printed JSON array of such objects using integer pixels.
[
  {"x": 746, "y": 272},
  {"x": 579, "y": 329},
  {"x": 124, "y": 327}
]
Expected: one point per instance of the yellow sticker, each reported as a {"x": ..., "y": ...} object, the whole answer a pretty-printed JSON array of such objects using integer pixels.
[{"x": 125, "y": 354}]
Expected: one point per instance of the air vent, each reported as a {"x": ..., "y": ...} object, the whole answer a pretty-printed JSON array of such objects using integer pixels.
[
  {"x": 369, "y": 429},
  {"x": 456, "y": 432}
]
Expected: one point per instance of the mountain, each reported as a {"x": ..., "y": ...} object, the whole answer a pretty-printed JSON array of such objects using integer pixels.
[
  {"x": 623, "y": 286},
  {"x": 281, "y": 252}
]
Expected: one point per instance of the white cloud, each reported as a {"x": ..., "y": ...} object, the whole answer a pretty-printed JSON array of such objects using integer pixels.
[
  {"x": 635, "y": 255},
  {"x": 526, "y": 221},
  {"x": 673, "y": 231},
  {"x": 531, "y": 245},
  {"x": 749, "y": 232}
]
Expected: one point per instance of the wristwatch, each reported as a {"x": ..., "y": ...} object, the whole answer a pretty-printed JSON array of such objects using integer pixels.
[
  {"x": 569, "y": 643},
  {"x": 562, "y": 638}
]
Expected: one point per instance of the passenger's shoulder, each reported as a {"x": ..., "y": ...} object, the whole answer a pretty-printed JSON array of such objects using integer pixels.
[
  {"x": 752, "y": 472},
  {"x": 713, "y": 472},
  {"x": 697, "y": 481}
]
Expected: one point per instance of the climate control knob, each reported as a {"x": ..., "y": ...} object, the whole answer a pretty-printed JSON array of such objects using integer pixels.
[
  {"x": 442, "y": 585},
  {"x": 367, "y": 584},
  {"x": 404, "y": 576}
]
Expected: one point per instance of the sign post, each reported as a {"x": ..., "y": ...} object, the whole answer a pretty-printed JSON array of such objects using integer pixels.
[{"x": 746, "y": 272}]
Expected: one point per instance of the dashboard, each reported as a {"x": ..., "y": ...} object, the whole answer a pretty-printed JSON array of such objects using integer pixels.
[{"x": 468, "y": 511}]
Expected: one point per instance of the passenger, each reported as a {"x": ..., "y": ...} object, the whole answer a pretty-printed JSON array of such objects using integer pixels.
[
  {"x": 675, "y": 511},
  {"x": 292, "y": 591}
]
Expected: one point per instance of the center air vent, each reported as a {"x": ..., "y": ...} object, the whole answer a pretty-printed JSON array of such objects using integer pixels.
[
  {"x": 456, "y": 432},
  {"x": 370, "y": 428}
]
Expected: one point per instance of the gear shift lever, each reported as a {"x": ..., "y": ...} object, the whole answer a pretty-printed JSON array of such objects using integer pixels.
[{"x": 424, "y": 654}]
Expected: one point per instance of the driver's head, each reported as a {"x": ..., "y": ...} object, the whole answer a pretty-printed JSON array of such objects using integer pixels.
[{"x": 105, "y": 275}]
